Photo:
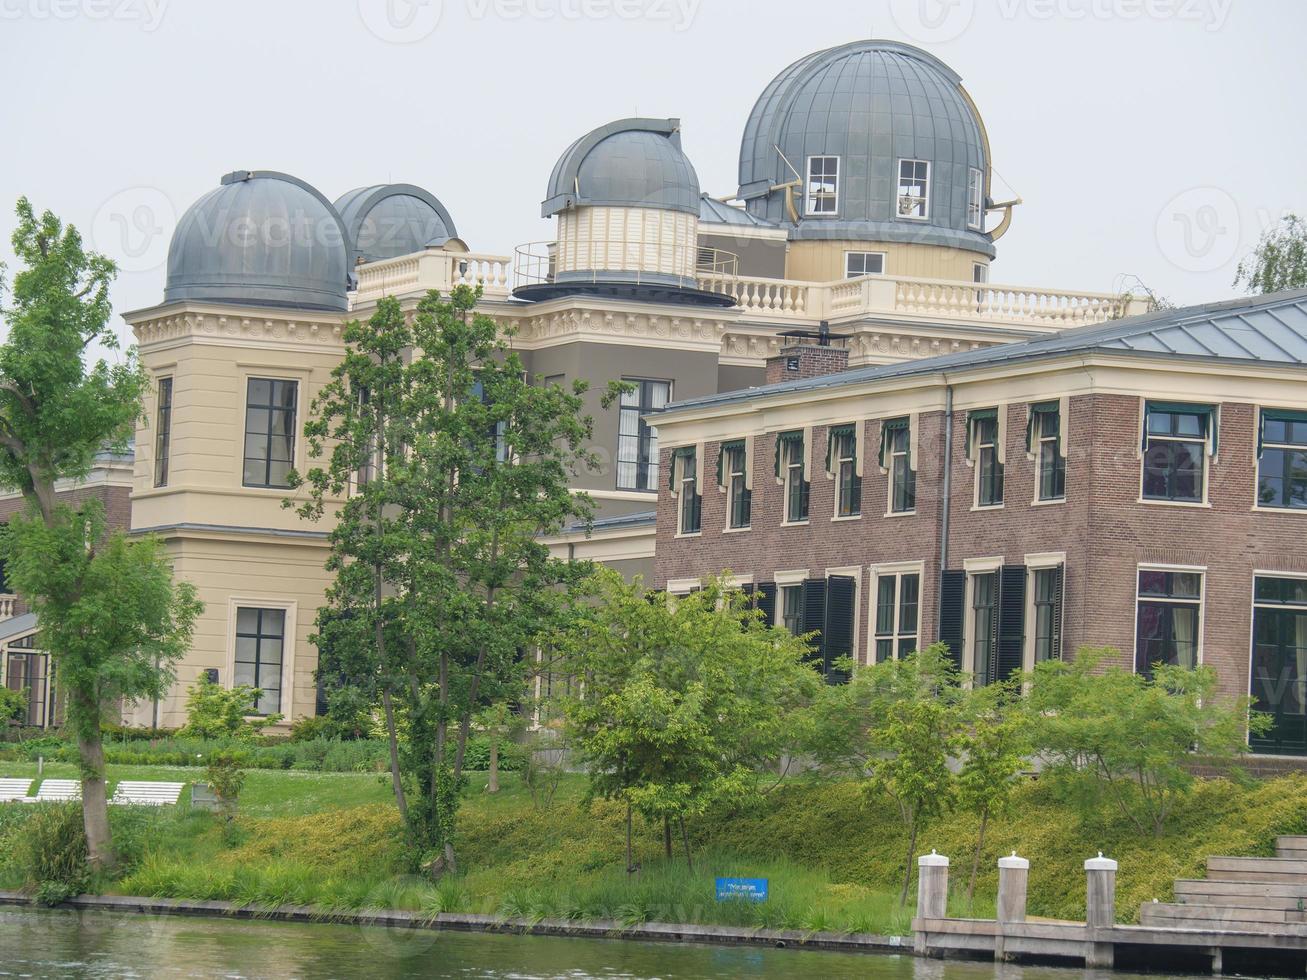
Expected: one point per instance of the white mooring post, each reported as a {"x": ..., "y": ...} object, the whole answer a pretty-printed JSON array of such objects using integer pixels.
[
  {"x": 932, "y": 893},
  {"x": 1100, "y": 909},
  {"x": 1013, "y": 874}
]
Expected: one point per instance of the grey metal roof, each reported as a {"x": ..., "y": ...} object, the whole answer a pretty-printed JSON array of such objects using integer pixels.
[
  {"x": 715, "y": 212},
  {"x": 386, "y": 220},
  {"x": 628, "y": 163},
  {"x": 17, "y": 627},
  {"x": 260, "y": 237},
  {"x": 871, "y": 103},
  {"x": 638, "y": 519},
  {"x": 1268, "y": 329}
]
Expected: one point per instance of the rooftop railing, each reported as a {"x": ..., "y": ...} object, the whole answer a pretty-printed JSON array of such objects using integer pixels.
[{"x": 434, "y": 269}]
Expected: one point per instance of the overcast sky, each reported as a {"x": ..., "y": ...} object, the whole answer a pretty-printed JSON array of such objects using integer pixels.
[{"x": 1149, "y": 138}]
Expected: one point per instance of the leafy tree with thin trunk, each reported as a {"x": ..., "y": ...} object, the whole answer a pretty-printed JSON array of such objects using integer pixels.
[
  {"x": 995, "y": 746},
  {"x": 441, "y": 580},
  {"x": 895, "y": 726},
  {"x": 688, "y": 702},
  {"x": 1279, "y": 261},
  {"x": 111, "y": 618},
  {"x": 1112, "y": 734}
]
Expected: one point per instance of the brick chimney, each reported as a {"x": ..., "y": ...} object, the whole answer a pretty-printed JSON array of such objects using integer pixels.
[{"x": 808, "y": 355}]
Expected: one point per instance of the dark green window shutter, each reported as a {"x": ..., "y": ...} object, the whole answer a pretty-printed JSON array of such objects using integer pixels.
[
  {"x": 765, "y": 599},
  {"x": 841, "y": 607},
  {"x": 1058, "y": 578},
  {"x": 814, "y": 618},
  {"x": 1011, "y": 621},
  {"x": 952, "y": 598}
]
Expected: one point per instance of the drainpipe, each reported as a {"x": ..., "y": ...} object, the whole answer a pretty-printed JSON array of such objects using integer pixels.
[{"x": 947, "y": 481}]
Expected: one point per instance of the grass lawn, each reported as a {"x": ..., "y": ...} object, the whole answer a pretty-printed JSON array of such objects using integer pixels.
[{"x": 834, "y": 859}]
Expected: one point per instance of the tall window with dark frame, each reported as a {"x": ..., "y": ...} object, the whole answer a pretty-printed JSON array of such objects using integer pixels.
[
  {"x": 163, "y": 432},
  {"x": 896, "y": 457},
  {"x": 260, "y": 651},
  {"x": 1047, "y": 598},
  {"x": 989, "y": 469},
  {"x": 1046, "y": 444},
  {"x": 637, "y": 440},
  {"x": 823, "y": 185},
  {"x": 984, "y": 624},
  {"x": 1282, "y": 460},
  {"x": 1279, "y": 665},
  {"x": 691, "y": 501},
  {"x": 792, "y": 608},
  {"x": 269, "y": 432},
  {"x": 796, "y": 482},
  {"x": 914, "y": 189},
  {"x": 898, "y": 599},
  {"x": 1175, "y": 451},
  {"x": 1167, "y": 624},
  {"x": 739, "y": 497},
  {"x": 848, "y": 499}
]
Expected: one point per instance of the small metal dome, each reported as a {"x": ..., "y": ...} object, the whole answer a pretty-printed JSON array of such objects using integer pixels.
[
  {"x": 633, "y": 163},
  {"x": 260, "y": 238},
  {"x": 870, "y": 103},
  {"x": 386, "y": 220}
]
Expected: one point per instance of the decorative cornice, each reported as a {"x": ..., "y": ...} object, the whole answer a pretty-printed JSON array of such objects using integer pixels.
[
  {"x": 678, "y": 329},
  {"x": 299, "y": 329}
]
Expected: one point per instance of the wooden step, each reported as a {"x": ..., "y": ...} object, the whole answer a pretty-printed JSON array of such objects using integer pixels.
[
  {"x": 1291, "y": 846},
  {"x": 1242, "y": 894},
  {"x": 1277, "y": 869},
  {"x": 1213, "y": 918},
  {"x": 1172, "y": 913}
]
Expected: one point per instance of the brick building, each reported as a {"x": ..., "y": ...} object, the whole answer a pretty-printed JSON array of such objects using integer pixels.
[{"x": 1140, "y": 485}]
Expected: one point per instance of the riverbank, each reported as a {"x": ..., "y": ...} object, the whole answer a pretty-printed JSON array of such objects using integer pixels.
[{"x": 332, "y": 843}]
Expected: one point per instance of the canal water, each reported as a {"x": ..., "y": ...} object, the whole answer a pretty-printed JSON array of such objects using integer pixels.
[{"x": 108, "y": 945}]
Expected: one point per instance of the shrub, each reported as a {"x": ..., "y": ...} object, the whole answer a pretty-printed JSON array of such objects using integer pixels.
[
  {"x": 50, "y": 852},
  {"x": 13, "y": 704},
  {"x": 213, "y": 711}
]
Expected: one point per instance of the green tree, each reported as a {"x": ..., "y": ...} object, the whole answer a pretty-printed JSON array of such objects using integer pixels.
[
  {"x": 1279, "y": 261},
  {"x": 110, "y": 616},
  {"x": 441, "y": 580},
  {"x": 895, "y": 726},
  {"x": 13, "y": 704},
  {"x": 995, "y": 748},
  {"x": 213, "y": 711},
  {"x": 688, "y": 702},
  {"x": 1114, "y": 733}
]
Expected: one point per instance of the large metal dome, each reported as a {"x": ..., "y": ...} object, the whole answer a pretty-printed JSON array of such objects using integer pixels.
[
  {"x": 632, "y": 163},
  {"x": 871, "y": 104},
  {"x": 386, "y": 220},
  {"x": 260, "y": 238}
]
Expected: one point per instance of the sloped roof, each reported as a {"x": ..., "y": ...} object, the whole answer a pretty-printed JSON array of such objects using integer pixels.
[
  {"x": 1250, "y": 330},
  {"x": 715, "y": 212}
]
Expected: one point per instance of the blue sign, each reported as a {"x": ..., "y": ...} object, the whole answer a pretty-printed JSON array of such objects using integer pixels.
[{"x": 750, "y": 889}]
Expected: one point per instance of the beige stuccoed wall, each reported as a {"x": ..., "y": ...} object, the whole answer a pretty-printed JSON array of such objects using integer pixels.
[
  {"x": 823, "y": 261},
  {"x": 236, "y": 544}
]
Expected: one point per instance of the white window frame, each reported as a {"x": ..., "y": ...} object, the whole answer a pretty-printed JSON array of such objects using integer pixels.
[
  {"x": 684, "y": 483},
  {"x": 733, "y": 489},
  {"x": 794, "y": 464},
  {"x": 863, "y": 253},
  {"x": 974, "y": 567},
  {"x": 895, "y": 454},
  {"x": 683, "y": 586},
  {"x": 1252, "y": 613},
  {"x": 1060, "y": 438},
  {"x": 809, "y": 198},
  {"x": 975, "y": 199},
  {"x": 978, "y": 448},
  {"x": 624, "y": 409},
  {"x": 835, "y": 476},
  {"x": 289, "y": 646},
  {"x": 1258, "y": 409},
  {"x": 895, "y": 570},
  {"x": 1042, "y": 563},
  {"x": 899, "y": 195},
  {"x": 1142, "y": 453},
  {"x": 1201, "y": 571}
]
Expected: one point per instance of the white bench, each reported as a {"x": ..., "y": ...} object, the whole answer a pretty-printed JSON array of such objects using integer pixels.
[
  {"x": 57, "y": 791},
  {"x": 12, "y": 790},
  {"x": 146, "y": 793}
]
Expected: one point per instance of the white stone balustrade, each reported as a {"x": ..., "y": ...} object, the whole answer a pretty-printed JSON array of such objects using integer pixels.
[
  {"x": 7, "y": 605},
  {"x": 934, "y": 299},
  {"x": 434, "y": 269}
]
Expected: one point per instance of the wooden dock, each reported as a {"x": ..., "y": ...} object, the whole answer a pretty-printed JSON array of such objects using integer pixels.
[{"x": 1247, "y": 915}]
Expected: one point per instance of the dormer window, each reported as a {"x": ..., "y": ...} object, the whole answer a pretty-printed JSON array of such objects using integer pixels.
[
  {"x": 823, "y": 186},
  {"x": 975, "y": 199},
  {"x": 914, "y": 189}
]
